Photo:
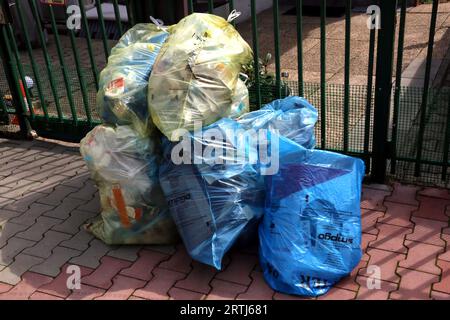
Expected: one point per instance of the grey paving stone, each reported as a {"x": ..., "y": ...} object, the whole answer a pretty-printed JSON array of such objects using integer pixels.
[
  {"x": 166, "y": 249},
  {"x": 91, "y": 257},
  {"x": 22, "y": 203},
  {"x": 21, "y": 188},
  {"x": 36, "y": 165},
  {"x": 8, "y": 230},
  {"x": 52, "y": 265},
  {"x": 63, "y": 210},
  {"x": 12, "y": 274},
  {"x": 43, "y": 248},
  {"x": 13, "y": 248},
  {"x": 129, "y": 253},
  {"x": 48, "y": 185},
  {"x": 74, "y": 222},
  {"x": 58, "y": 195},
  {"x": 87, "y": 192},
  {"x": 72, "y": 169},
  {"x": 93, "y": 205},
  {"x": 37, "y": 230},
  {"x": 80, "y": 241},
  {"x": 77, "y": 181},
  {"x": 29, "y": 217},
  {"x": 6, "y": 214}
]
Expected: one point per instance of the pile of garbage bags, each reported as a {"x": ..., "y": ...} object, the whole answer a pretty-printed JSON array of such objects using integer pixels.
[{"x": 179, "y": 156}]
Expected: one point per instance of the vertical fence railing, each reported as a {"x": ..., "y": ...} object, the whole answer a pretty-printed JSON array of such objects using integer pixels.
[
  {"x": 398, "y": 84},
  {"x": 299, "y": 24},
  {"x": 276, "y": 37},
  {"x": 255, "y": 52},
  {"x": 323, "y": 100},
  {"x": 383, "y": 87},
  {"x": 348, "y": 10},
  {"x": 426, "y": 85}
]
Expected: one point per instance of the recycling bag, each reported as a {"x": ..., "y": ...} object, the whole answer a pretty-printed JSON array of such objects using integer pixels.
[
  {"x": 310, "y": 234},
  {"x": 125, "y": 168},
  {"x": 292, "y": 117},
  {"x": 213, "y": 197},
  {"x": 122, "y": 94},
  {"x": 196, "y": 75}
]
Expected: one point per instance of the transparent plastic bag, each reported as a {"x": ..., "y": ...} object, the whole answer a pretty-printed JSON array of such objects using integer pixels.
[
  {"x": 195, "y": 77},
  {"x": 310, "y": 235},
  {"x": 125, "y": 169},
  {"x": 213, "y": 201},
  {"x": 293, "y": 117},
  {"x": 122, "y": 95}
]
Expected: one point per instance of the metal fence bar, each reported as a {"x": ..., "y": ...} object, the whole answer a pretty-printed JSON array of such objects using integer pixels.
[
  {"x": 299, "y": 22},
  {"x": 348, "y": 9},
  {"x": 89, "y": 44},
  {"x": 276, "y": 35},
  {"x": 23, "y": 83},
  {"x": 31, "y": 57},
  {"x": 446, "y": 143},
  {"x": 80, "y": 75},
  {"x": 63, "y": 66},
  {"x": 210, "y": 6},
  {"x": 47, "y": 59},
  {"x": 255, "y": 52},
  {"x": 368, "y": 109},
  {"x": 398, "y": 84},
  {"x": 383, "y": 84},
  {"x": 117, "y": 16},
  {"x": 190, "y": 6},
  {"x": 106, "y": 49},
  {"x": 323, "y": 12},
  {"x": 426, "y": 85}
]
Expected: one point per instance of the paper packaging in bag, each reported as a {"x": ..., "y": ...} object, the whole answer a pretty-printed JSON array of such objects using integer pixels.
[
  {"x": 196, "y": 74},
  {"x": 125, "y": 169},
  {"x": 122, "y": 94},
  {"x": 310, "y": 235}
]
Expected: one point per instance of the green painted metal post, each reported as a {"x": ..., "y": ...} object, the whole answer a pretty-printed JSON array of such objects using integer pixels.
[{"x": 383, "y": 87}]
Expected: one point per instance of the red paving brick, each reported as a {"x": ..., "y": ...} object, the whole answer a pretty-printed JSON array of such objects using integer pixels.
[
  {"x": 435, "y": 193},
  {"x": 86, "y": 292},
  {"x": 446, "y": 255},
  {"x": 373, "y": 199},
  {"x": 258, "y": 289},
  {"x": 5, "y": 287},
  {"x": 365, "y": 240},
  {"x": 371, "y": 292},
  {"x": 158, "y": 287},
  {"x": 405, "y": 194},
  {"x": 43, "y": 296},
  {"x": 427, "y": 231},
  {"x": 26, "y": 287},
  {"x": 432, "y": 208},
  {"x": 239, "y": 269},
  {"x": 182, "y": 294},
  {"x": 387, "y": 262},
  {"x": 414, "y": 285},
  {"x": 199, "y": 278},
  {"x": 444, "y": 284},
  {"x": 421, "y": 257},
  {"x": 398, "y": 214},
  {"x": 143, "y": 266},
  {"x": 102, "y": 276},
  {"x": 180, "y": 261},
  {"x": 58, "y": 286},
  {"x": 223, "y": 290},
  {"x": 338, "y": 294},
  {"x": 436, "y": 295},
  {"x": 122, "y": 288},
  {"x": 390, "y": 238},
  {"x": 369, "y": 219}
]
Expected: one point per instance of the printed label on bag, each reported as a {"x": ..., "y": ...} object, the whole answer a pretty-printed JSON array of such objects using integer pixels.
[{"x": 115, "y": 87}]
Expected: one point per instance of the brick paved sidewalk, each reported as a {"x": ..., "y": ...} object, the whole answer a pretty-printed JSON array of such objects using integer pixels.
[{"x": 46, "y": 196}]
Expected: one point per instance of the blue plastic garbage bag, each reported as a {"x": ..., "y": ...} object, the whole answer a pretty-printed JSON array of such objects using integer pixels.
[
  {"x": 311, "y": 231},
  {"x": 294, "y": 118},
  {"x": 216, "y": 198},
  {"x": 122, "y": 94}
]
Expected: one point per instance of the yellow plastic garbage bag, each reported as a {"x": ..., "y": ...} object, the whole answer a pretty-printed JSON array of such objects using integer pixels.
[
  {"x": 195, "y": 78},
  {"x": 124, "y": 167}
]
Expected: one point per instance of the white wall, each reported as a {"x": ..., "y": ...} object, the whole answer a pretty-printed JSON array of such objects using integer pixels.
[{"x": 244, "y": 7}]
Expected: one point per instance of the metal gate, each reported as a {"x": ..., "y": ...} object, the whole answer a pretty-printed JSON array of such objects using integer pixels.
[{"x": 385, "y": 124}]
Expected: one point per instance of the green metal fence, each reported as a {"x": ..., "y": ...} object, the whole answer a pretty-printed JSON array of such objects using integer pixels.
[{"x": 391, "y": 127}]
